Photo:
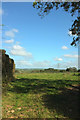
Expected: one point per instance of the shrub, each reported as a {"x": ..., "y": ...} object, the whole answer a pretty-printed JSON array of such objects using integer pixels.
[{"x": 73, "y": 69}]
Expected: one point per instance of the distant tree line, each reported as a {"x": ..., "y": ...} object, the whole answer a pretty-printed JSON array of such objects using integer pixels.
[
  {"x": 48, "y": 70},
  {"x": 51, "y": 70}
]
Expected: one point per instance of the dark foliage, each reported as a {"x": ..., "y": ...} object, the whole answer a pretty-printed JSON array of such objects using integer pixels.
[
  {"x": 79, "y": 70},
  {"x": 73, "y": 69}
]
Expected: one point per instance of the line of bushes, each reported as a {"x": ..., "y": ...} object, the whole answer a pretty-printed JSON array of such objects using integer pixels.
[{"x": 71, "y": 69}]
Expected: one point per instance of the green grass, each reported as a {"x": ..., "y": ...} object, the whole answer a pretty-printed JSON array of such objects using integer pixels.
[{"x": 42, "y": 95}]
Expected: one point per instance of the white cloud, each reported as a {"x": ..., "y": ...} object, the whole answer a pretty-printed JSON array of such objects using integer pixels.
[
  {"x": 33, "y": 64},
  {"x": 9, "y": 41},
  {"x": 66, "y": 64},
  {"x": 17, "y": 47},
  {"x": 1, "y": 11},
  {"x": 17, "y": 50},
  {"x": 7, "y": 47},
  {"x": 14, "y": 30},
  {"x": 44, "y": 63},
  {"x": 65, "y": 47},
  {"x": 11, "y": 33},
  {"x": 71, "y": 56},
  {"x": 23, "y": 63},
  {"x": 58, "y": 59},
  {"x": 70, "y": 64}
]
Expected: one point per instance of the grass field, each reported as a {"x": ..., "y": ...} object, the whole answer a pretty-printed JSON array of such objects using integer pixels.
[{"x": 42, "y": 95}]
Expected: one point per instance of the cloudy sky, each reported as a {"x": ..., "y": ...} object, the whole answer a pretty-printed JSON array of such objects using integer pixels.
[{"x": 34, "y": 42}]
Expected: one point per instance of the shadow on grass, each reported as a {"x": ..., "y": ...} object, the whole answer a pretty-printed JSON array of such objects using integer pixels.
[
  {"x": 60, "y": 95},
  {"x": 66, "y": 103},
  {"x": 24, "y": 85}
]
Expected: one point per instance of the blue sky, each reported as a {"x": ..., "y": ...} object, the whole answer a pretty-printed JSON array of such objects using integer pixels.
[{"x": 37, "y": 43}]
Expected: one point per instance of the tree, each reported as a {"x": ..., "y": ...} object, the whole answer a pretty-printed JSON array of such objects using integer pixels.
[
  {"x": 71, "y": 7},
  {"x": 71, "y": 69}
]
